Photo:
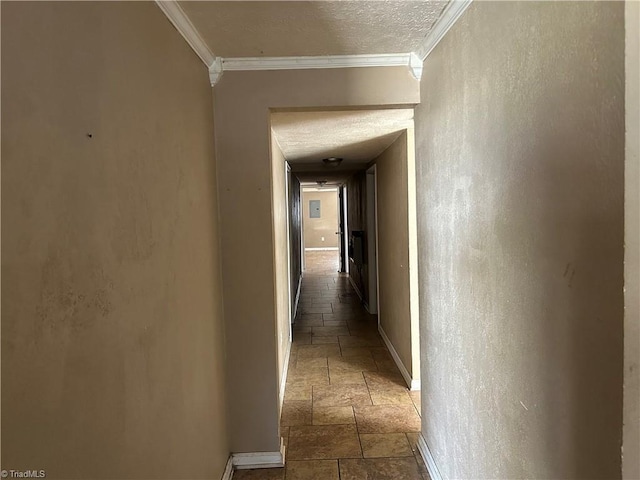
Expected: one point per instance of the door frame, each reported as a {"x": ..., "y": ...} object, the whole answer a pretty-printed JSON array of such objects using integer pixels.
[
  {"x": 343, "y": 229},
  {"x": 371, "y": 192}
]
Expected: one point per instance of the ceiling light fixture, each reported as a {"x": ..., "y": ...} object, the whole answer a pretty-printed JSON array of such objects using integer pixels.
[
  {"x": 322, "y": 183},
  {"x": 331, "y": 161}
]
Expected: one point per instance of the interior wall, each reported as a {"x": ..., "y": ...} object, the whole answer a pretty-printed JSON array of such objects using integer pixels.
[
  {"x": 520, "y": 166},
  {"x": 394, "y": 266},
  {"x": 631, "y": 438},
  {"x": 295, "y": 238},
  {"x": 320, "y": 232},
  {"x": 280, "y": 261},
  {"x": 112, "y": 331},
  {"x": 242, "y": 103}
]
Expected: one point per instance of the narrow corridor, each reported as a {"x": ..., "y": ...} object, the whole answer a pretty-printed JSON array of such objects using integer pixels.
[{"x": 347, "y": 412}]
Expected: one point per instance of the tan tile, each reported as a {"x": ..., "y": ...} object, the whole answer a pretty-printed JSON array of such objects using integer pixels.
[
  {"x": 385, "y": 397},
  {"x": 422, "y": 468},
  {"x": 308, "y": 376},
  {"x": 348, "y": 299},
  {"x": 388, "y": 381},
  {"x": 313, "y": 297},
  {"x": 301, "y": 329},
  {"x": 341, "y": 396},
  {"x": 312, "y": 470},
  {"x": 345, "y": 312},
  {"x": 330, "y": 331},
  {"x": 323, "y": 442},
  {"x": 306, "y": 351},
  {"x": 381, "y": 353},
  {"x": 356, "y": 352},
  {"x": 311, "y": 362},
  {"x": 351, "y": 364},
  {"x": 323, "y": 340},
  {"x": 306, "y": 317},
  {"x": 319, "y": 302},
  {"x": 346, "y": 378},
  {"x": 301, "y": 339},
  {"x": 296, "y": 412},
  {"x": 333, "y": 416},
  {"x": 305, "y": 321},
  {"x": 316, "y": 309},
  {"x": 366, "y": 333},
  {"x": 386, "y": 365},
  {"x": 386, "y": 418},
  {"x": 339, "y": 307},
  {"x": 259, "y": 474},
  {"x": 380, "y": 469},
  {"x": 297, "y": 392},
  {"x": 335, "y": 323},
  {"x": 412, "y": 437},
  {"x": 387, "y": 388},
  {"x": 335, "y": 317},
  {"x": 375, "y": 445},
  {"x": 362, "y": 323},
  {"x": 359, "y": 341},
  {"x": 330, "y": 295}
]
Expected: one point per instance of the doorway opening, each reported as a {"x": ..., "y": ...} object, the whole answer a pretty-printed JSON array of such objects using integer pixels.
[
  {"x": 321, "y": 229},
  {"x": 357, "y": 242}
]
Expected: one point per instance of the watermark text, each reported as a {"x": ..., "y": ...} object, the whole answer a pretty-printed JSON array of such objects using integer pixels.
[{"x": 23, "y": 474}]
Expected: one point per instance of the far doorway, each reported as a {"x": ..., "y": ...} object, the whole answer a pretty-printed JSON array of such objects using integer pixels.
[{"x": 323, "y": 226}]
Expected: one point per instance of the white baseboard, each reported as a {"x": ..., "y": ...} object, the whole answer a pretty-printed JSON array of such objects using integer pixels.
[
  {"x": 355, "y": 287},
  {"x": 429, "y": 461},
  {"x": 297, "y": 299},
  {"x": 228, "y": 471},
  {"x": 360, "y": 294},
  {"x": 412, "y": 383},
  {"x": 285, "y": 372},
  {"x": 320, "y": 249},
  {"x": 242, "y": 461}
]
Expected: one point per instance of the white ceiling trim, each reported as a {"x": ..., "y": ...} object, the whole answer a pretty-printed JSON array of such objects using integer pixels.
[
  {"x": 180, "y": 20},
  {"x": 327, "y": 61},
  {"x": 218, "y": 65},
  {"x": 452, "y": 12}
]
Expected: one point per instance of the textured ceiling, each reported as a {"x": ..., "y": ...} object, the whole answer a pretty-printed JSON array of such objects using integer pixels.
[
  {"x": 288, "y": 28},
  {"x": 357, "y": 136}
]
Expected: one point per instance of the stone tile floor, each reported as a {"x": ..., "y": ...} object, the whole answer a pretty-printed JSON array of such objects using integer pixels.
[{"x": 347, "y": 413}]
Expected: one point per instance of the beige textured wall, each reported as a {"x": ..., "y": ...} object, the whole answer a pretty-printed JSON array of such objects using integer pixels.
[
  {"x": 112, "y": 340},
  {"x": 325, "y": 227},
  {"x": 280, "y": 259},
  {"x": 241, "y": 105},
  {"x": 631, "y": 438},
  {"x": 397, "y": 320},
  {"x": 520, "y": 162}
]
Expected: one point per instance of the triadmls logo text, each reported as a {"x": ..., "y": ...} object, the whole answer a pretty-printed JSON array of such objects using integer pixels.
[{"x": 23, "y": 474}]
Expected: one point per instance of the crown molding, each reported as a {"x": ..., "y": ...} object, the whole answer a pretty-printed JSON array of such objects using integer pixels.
[
  {"x": 327, "y": 61},
  {"x": 215, "y": 71},
  {"x": 416, "y": 64},
  {"x": 218, "y": 65},
  {"x": 173, "y": 11},
  {"x": 450, "y": 15}
]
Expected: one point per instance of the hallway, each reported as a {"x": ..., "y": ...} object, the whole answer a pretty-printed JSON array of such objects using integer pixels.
[{"x": 347, "y": 413}]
